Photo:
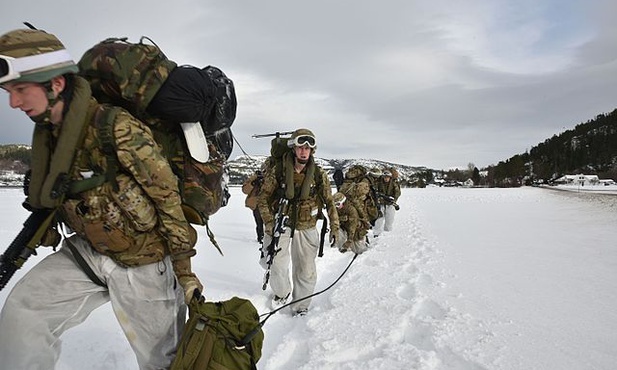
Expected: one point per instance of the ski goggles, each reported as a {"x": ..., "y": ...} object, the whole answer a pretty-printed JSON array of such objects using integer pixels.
[
  {"x": 304, "y": 140},
  {"x": 13, "y": 68},
  {"x": 339, "y": 204}
]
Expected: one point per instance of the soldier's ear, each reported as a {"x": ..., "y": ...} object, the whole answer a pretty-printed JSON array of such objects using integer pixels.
[{"x": 58, "y": 84}]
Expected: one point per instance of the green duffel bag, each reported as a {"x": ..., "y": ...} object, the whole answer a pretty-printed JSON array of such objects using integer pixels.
[{"x": 223, "y": 335}]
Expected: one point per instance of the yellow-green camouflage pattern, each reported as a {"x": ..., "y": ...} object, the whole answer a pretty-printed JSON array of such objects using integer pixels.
[
  {"x": 26, "y": 42},
  {"x": 307, "y": 211},
  {"x": 142, "y": 221},
  {"x": 391, "y": 188},
  {"x": 132, "y": 88},
  {"x": 357, "y": 224},
  {"x": 360, "y": 194}
]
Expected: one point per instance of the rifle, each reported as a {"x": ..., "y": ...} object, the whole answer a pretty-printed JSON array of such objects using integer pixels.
[
  {"x": 388, "y": 199},
  {"x": 322, "y": 236},
  {"x": 275, "y": 134},
  {"x": 279, "y": 227},
  {"x": 25, "y": 243}
]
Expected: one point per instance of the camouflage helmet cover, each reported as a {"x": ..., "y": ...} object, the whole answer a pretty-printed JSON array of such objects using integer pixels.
[
  {"x": 33, "y": 56},
  {"x": 339, "y": 197}
]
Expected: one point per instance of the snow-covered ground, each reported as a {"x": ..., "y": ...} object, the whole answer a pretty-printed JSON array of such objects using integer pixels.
[{"x": 469, "y": 279}]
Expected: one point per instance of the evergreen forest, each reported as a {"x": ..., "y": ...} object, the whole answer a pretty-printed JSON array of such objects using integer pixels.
[{"x": 589, "y": 148}]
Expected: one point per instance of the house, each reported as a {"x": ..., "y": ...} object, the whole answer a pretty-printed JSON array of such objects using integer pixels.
[
  {"x": 607, "y": 182},
  {"x": 578, "y": 179}
]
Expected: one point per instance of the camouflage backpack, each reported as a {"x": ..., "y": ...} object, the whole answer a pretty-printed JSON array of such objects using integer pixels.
[
  {"x": 357, "y": 174},
  {"x": 141, "y": 79}
]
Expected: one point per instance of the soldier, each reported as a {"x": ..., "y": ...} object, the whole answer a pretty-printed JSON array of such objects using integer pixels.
[
  {"x": 359, "y": 174},
  {"x": 338, "y": 178},
  {"x": 352, "y": 220},
  {"x": 131, "y": 244},
  {"x": 251, "y": 187},
  {"x": 388, "y": 192},
  {"x": 304, "y": 186}
]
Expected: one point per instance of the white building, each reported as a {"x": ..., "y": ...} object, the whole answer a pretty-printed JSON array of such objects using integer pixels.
[{"x": 579, "y": 179}]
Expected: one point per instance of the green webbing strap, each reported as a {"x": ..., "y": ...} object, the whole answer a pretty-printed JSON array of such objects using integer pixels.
[
  {"x": 105, "y": 123},
  {"x": 84, "y": 265},
  {"x": 192, "y": 345},
  {"x": 80, "y": 186},
  {"x": 105, "y": 119},
  {"x": 212, "y": 240}
]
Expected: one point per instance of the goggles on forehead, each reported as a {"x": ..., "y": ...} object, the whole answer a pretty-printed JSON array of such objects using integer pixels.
[
  {"x": 12, "y": 68},
  {"x": 304, "y": 140}
]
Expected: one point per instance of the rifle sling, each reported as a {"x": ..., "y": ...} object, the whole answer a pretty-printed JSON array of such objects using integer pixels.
[{"x": 81, "y": 262}]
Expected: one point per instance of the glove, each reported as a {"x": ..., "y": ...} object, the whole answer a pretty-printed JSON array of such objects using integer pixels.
[
  {"x": 333, "y": 239},
  {"x": 268, "y": 228},
  {"x": 396, "y": 207},
  {"x": 51, "y": 238},
  {"x": 191, "y": 286},
  {"x": 346, "y": 246},
  {"x": 187, "y": 279}
]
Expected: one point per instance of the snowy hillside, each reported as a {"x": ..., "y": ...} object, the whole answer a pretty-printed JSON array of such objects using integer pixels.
[{"x": 244, "y": 165}]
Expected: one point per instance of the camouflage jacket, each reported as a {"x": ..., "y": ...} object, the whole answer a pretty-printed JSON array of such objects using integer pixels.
[
  {"x": 350, "y": 221},
  {"x": 141, "y": 221},
  {"x": 362, "y": 200},
  {"x": 303, "y": 213},
  {"x": 251, "y": 187},
  {"x": 390, "y": 188}
]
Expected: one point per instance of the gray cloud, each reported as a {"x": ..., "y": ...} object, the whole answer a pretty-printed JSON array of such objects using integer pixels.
[{"x": 436, "y": 84}]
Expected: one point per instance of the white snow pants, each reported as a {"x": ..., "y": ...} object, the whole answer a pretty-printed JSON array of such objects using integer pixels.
[
  {"x": 56, "y": 295},
  {"x": 386, "y": 222},
  {"x": 302, "y": 250},
  {"x": 358, "y": 246}
]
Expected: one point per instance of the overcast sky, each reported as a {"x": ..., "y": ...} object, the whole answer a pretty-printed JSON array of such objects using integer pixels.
[{"x": 425, "y": 83}]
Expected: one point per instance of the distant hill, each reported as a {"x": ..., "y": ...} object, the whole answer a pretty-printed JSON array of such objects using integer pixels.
[{"x": 243, "y": 166}]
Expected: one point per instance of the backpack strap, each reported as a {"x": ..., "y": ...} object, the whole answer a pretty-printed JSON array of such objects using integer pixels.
[
  {"x": 104, "y": 120},
  {"x": 105, "y": 124}
]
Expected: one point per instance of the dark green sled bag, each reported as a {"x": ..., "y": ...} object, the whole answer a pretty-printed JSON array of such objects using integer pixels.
[{"x": 223, "y": 335}]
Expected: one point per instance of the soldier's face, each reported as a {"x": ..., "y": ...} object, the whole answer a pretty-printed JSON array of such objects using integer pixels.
[
  {"x": 29, "y": 97},
  {"x": 302, "y": 153}
]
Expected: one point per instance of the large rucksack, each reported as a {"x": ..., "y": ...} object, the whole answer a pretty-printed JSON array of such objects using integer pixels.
[
  {"x": 141, "y": 79},
  {"x": 358, "y": 173},
  {"x": 223, "y": 335}
]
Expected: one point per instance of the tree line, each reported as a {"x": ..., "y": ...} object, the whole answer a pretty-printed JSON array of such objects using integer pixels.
[
  {"x": 15, "y": 157},
  {"x": 589, "y": 148}
]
